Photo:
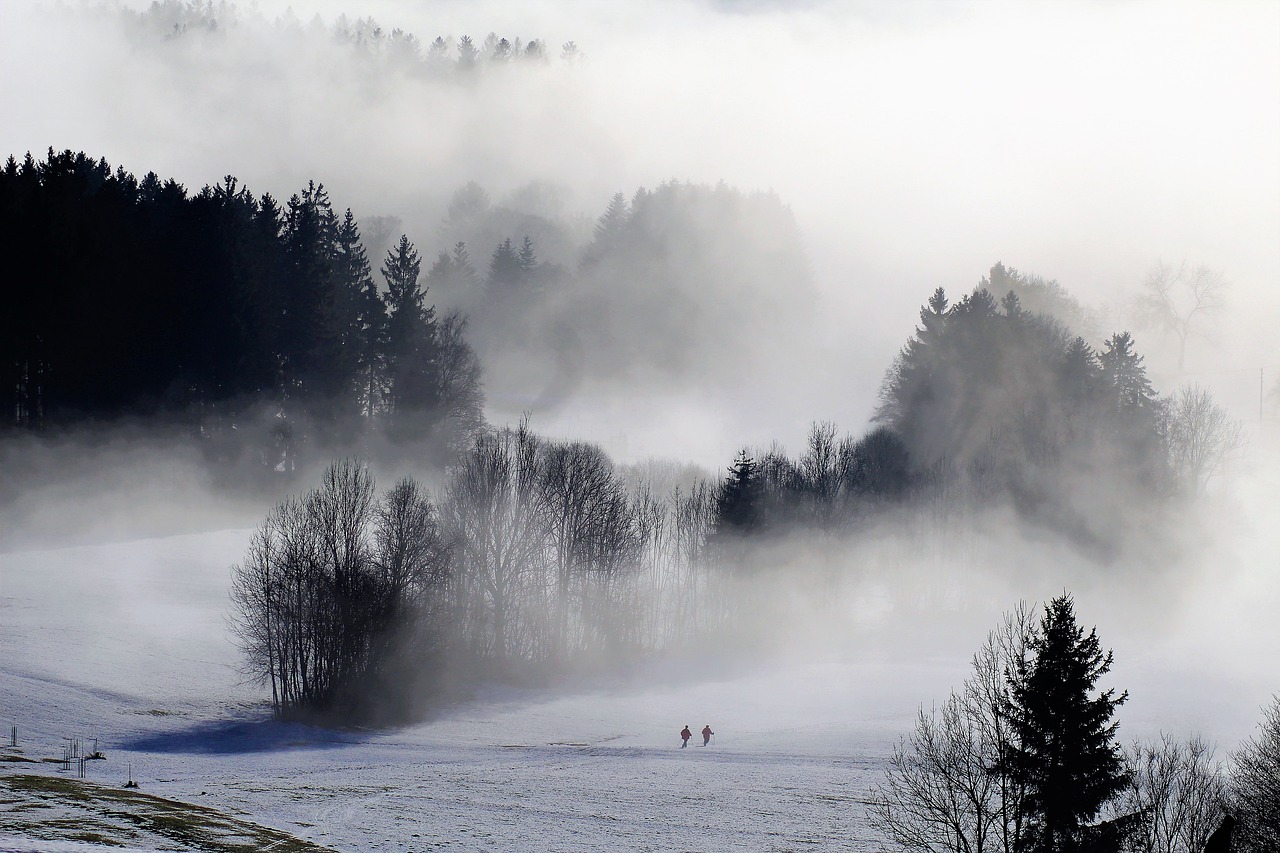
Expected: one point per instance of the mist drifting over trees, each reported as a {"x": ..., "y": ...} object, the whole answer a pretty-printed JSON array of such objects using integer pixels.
[{"x": 548, "y": 347}]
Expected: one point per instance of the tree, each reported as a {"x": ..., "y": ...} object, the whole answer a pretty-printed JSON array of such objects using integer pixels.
[
  {"x": 505, "y": 269},
  {"x": 738, "y": 502},
  {"x": 1182, "y": 300},
  {"x": 1064, "y": 754},
  {"x": 492, "y": 512},
  {"x": 411, "y": 335},
  {"x": 1200, "y": 436},
  {"x": 1255, "y": 786},
  {"x": 1124, "y": 377},
  {"x": 365, "y": 344},
  {"x": 947, "y": 787},
  {"x": 1177, "y": 790}
]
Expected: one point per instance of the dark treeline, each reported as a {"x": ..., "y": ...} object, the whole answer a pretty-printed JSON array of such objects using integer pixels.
[
  {"x": 265, "y": 329},
  {"x": 258, "y": 324}
]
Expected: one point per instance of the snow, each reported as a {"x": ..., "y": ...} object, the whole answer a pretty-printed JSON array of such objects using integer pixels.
[{"x": 128, "y": 643}]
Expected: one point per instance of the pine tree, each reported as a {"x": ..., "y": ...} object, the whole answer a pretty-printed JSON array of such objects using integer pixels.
[
  {"x": 738, "y": 504},
  {"x": 505, "y": 271},
  {"x": 1124, "y": 376},
  {"x": 365, "y": 326},
  {"x": 528, "y": 260},
  {"x": 411, "y": 341},
  {"x": 1065, "y": 752},
  {"x": 609, "y": 230}
]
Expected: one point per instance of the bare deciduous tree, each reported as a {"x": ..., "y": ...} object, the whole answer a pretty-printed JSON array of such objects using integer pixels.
[
  {"x": 1181, "y": 300},
  {"x": 1200, "y": 435},
  {"x": 945, "y": 789},
  {"x": 1179, "y": 791},
  {"x": 1255, "y": 786}
]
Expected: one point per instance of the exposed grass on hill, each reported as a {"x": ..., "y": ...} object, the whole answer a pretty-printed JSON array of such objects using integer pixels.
[{"x": 59, "y": 809}]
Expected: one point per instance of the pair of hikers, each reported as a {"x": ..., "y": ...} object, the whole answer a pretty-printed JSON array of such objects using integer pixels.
[{"x": 685, "y": 734}]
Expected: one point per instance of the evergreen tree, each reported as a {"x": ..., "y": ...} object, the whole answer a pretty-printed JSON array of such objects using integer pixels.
[
  {"x": 505, "y": 270},
  {"x": 739, "y": 502},
  {"x": 609, "y": 231},
  {"x": 313, "y": 334},
  {"x": 1065, "y": 753},
  {"x": 413, "y": 392},
  {"x": 1125, "y": 377},
  {"x": 528, "y": 260},
  {"x": 365, "y": 329}
]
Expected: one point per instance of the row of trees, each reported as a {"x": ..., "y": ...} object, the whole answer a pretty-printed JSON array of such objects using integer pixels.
[
  {"x": 393, "y": 50},
  {"x": 538, "y": 555},
  {"x": 989, "y": 402},
  {"x": 1024, "y": 758},
  {"x": 129, "y": 297}
]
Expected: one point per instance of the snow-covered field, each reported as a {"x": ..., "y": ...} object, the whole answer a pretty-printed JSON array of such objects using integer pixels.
[{"x": 127, "y": 643}]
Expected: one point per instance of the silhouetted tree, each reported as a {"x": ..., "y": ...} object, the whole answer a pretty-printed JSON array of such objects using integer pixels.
[
  {"x": 412, "y": 354},
  {"x": 1182, "y": 301},
  {"x": 738, "y": 503},
  {"x": 1064, "y": 752},
  {"x": 1255, "y": 786}
]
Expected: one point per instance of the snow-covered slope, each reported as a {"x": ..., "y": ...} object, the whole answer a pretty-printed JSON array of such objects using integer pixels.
[{"x": 128, "y": 643}]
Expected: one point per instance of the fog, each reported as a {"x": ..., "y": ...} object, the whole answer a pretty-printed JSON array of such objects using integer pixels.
[{"x": 915, "y": 144}]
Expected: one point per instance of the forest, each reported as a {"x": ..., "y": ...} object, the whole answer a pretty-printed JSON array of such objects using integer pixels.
[{"x": 258, "y": 332}]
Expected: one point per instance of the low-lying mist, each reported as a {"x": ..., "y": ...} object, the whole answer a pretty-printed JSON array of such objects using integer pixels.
[{"x": 794, "y": 183}]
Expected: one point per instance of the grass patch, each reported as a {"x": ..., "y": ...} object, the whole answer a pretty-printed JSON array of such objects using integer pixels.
[{"x": 50, "y": 807}]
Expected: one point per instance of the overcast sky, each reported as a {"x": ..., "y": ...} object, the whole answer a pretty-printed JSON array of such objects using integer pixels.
[{"x": 917, "y": 143}]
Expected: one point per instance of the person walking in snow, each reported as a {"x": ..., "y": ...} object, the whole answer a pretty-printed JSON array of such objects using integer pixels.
[
  {"x": 706, "y": 734},
  {"x": 685, "y": 734}
]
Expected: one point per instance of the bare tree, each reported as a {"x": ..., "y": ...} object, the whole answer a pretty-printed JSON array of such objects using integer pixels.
[
  {"x": 493, "y": 513},
  {"x": 1181, "y": 300},
  {"x": 945, "y": 789},
  {"x": 1200, "y": 436},
  {"x": 1179, "y": 791},
  {"x": 1255, "y": 786},
  {"x": 328, "y": 581}
]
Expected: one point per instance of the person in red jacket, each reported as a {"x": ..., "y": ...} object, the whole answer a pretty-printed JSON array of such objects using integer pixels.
[
  {"x": 685, "y": 734},
  {"x": 706, "y": 734}
]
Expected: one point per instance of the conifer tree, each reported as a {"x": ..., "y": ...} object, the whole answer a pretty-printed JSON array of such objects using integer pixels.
[
  {"x": 738, "y": 504},
  {"x": 365, "y": 320},
  {"x": 1065, "y": 753},
  {"x": 411, "y": 340},
  {"x": 505, "y": 270},
  {"x": 1125, "y": 376}
]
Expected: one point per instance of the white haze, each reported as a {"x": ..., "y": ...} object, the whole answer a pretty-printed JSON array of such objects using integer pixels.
[{"x": 917, "y": 144}]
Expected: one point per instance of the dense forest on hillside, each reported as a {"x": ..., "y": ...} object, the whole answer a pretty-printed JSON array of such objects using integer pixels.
[{"x": 264, "y": 329}]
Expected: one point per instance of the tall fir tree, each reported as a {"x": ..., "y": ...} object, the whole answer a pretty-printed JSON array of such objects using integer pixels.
[
  {"x": 413, "y": 390},
  {"x": 1065, "y": 753},
  {"x": 365, "y": 326},
  {"x": 739, "y": 503}
]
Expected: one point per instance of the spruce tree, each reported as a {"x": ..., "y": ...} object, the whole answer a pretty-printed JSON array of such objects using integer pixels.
[
  {"x": 411, "y": 341},
  {"x": 738, "y": 504},
  {"x": 1065, "y": 754},
  {"x": 505, "y": 269}
]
